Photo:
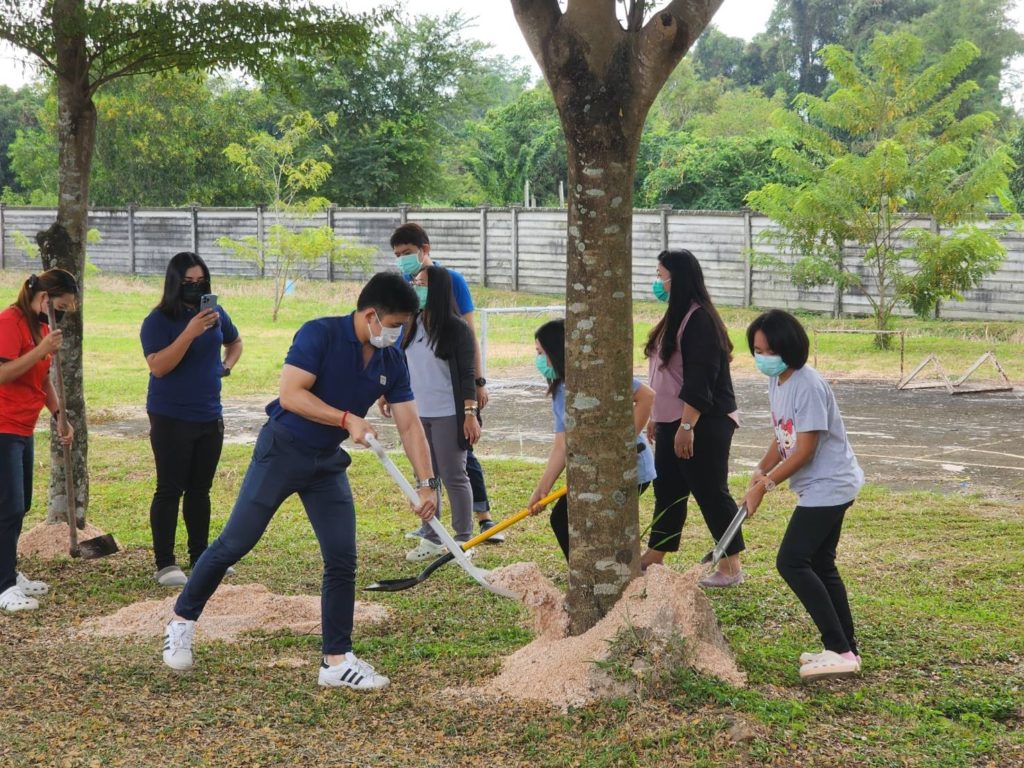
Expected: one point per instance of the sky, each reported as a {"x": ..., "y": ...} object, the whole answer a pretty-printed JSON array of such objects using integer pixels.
[{"x": 495, "y": 24}]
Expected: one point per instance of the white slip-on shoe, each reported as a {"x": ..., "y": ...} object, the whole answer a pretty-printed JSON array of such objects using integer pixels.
[
  {"x": 425, "y": 550},
  {"x": 178, "y": 644},
  {"x": 806, "y": 658},
  {"x": 828, "y": 665},
  {"x": 351, "y": 673},
  {"x": 31, "y": 587},
  {"x": 13, "y": 599},
  {"x": 171, "y": 576}
]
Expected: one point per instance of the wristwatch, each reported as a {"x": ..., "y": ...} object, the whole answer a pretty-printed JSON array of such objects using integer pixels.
[
  {"x": 481, "y": 382},
  {"x": 687, "y": 426},
  {"x": 433, "y": 483},
  {"x": 769, "y": 484}
]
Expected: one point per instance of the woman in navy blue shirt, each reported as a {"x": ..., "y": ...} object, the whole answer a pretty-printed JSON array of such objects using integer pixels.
[{"x": 182, "y": 346}]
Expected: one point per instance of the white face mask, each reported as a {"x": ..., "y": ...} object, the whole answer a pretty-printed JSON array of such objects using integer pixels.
[{"x": 388, "y": 337}]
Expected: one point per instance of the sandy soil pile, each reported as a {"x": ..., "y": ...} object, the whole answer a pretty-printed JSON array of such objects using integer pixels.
[
  {"x": 231, "y": 611},
  {"x": 50, "y": 541},
  {"x": 654, "y": 611}
]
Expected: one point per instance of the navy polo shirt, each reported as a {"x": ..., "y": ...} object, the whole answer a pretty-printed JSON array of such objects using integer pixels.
[
  {"x": 329, "y": 349},
  {"x": 190, "y": 392}
]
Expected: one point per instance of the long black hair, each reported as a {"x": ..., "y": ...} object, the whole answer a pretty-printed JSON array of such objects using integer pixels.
[
  {"x": 551, "y": 337},
  {"x": 687, "y": 287},
  {"x": 171, "y": 303},
  {"x": 440, "y": 316}
]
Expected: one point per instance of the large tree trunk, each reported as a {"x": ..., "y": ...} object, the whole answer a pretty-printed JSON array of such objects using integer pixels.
[
  {"x": 604, "y": 79},
  {"x": 63, "y": 244}
]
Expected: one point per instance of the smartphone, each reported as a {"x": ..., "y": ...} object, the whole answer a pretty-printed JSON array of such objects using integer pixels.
[{"x": 208, "y": 301}]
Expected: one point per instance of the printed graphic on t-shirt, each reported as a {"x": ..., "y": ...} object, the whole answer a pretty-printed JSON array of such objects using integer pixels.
[{"x": 785, "y": 434}]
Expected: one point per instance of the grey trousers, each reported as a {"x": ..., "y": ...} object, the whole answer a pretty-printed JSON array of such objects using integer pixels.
[{"x": 449, "y": 462}]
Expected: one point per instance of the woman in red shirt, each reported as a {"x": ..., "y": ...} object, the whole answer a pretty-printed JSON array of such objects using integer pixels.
[{"x": 26, "y": 345}]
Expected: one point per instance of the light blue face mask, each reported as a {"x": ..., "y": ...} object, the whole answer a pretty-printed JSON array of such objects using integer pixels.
[
  {"x": 409, "y": 264},
  {"x": 545, "y": 368},
  {"x": 659, "y": 289},
  {"x": 421, "y": 292},
  {"x": 770, "y": 365}
]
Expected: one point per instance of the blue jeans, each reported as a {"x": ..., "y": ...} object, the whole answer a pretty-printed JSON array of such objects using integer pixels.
[
  {"x": 282, "y": 465},
  {"x": 16, "y": 453},
  {"x": 476, "y": 482}
]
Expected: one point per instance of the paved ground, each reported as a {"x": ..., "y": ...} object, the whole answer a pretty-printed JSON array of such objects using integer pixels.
[{"x": 924, "y": 439}]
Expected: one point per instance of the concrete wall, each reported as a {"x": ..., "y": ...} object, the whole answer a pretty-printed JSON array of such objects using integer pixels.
[{"x": 511, "y": 248}]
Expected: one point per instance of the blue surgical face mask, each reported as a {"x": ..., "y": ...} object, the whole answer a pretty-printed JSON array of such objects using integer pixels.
[
  {"x": 409, "y": 264},
  {"x": 545, "y": 367},
  {"x": 770, "y": 365},
  {"x": 421, "y": 292},
  {"x": 659, "y": 289}
]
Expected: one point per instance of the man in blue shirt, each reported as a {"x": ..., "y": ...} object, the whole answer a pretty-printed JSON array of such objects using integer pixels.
[
  {"x": 411, "y": 247},
  {"x": 336, "y": 369}
]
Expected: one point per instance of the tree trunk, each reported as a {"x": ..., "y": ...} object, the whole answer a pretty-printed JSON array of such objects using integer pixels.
[
  {"x": 63, "y": 244},
  {"x": 604, "y": 79},
  {"x": 604, "y": 554}
]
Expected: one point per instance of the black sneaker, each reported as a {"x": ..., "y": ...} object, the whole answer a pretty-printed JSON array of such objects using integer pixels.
[{"x": 486, "y": 525}]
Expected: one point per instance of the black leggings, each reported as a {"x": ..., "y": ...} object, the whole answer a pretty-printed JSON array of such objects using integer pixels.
[
  {"x": 560, "y": 520},
  {"x": 807, "y": 561},
  {"x": 186, "y": 453},
  {"x": 705, "y": 475}
]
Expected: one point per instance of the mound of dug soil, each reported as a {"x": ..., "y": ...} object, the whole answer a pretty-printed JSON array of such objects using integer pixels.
[
  {"x": 50, "y": 541},
  {"x": 663, "y": 619},
  {"x": 232, "y": 611}
]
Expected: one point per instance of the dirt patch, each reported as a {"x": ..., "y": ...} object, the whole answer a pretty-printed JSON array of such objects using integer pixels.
[
  {"x": 640, "y": 637},
  {"x": 50, "y": 540},
  {"x": 231, "y": 612}
]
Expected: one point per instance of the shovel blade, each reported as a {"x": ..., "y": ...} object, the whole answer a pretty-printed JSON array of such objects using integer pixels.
[
  {"x": 100, "y": 546},
  {"x": 392, "y": 585}
]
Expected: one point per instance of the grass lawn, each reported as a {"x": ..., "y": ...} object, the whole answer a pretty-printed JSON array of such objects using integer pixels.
[{"x": 935, "y": 583}]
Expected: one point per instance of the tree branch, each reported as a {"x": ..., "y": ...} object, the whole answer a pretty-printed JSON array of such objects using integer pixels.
[
  {"x": 666, "y": 38},
  {"x": 537, "y": 19}
]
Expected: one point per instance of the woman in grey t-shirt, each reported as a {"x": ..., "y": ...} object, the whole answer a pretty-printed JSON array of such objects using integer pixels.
[{"x": 810, "y": 449}]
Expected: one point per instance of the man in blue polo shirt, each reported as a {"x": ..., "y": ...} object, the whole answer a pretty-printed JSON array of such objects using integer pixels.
[
  {"x": 411, "y": 247},
  {"x": 336, "y": 369}
]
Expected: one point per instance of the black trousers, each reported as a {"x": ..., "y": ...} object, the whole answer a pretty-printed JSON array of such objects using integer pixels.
[
  {"x": 705, "y": 475},
  {"x": 807, "y": 561},
  {"x": 560, "y": 520},
  {"x": 186, "y": 454}
]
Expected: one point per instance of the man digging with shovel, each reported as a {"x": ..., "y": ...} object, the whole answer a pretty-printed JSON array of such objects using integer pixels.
[{"x": 336, "y": 369}]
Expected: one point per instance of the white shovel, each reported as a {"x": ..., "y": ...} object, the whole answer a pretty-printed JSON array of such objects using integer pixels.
[{"x": 479, "y": 574}]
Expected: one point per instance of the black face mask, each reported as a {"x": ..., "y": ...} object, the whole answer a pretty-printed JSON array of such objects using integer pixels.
[
  {"x": 191, "y": 293},
  {"x": 58, "y": 315}
]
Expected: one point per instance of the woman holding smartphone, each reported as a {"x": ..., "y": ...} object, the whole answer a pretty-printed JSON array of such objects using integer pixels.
[{"x": 182, "y": 344}]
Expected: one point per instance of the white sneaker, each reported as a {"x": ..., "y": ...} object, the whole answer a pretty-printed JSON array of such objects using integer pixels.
[
  {"x": 828, "y": 665},
  {"x": 13, "y": 599},
  {"x": 353, "y": 673},
  {"x": 30, "y": 587},
  {"x": 178, "y": 644},
  {"x": 425, "y": 550},
  {"x": 171, "y": 576}
]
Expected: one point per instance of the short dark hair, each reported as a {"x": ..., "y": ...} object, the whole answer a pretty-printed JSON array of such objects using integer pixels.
[
  {"x": 410, "y": 233},
  {"x": 785, "y": 335},
  {"x": 389, "y": 294},
  {"x": 551, "y": 337}
]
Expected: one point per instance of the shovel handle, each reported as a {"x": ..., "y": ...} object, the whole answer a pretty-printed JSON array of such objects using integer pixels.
[
  {"x": 62, "y": 427},
  {"x": 395, "y": 472},
  {"x": 513, "y": 519}
]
